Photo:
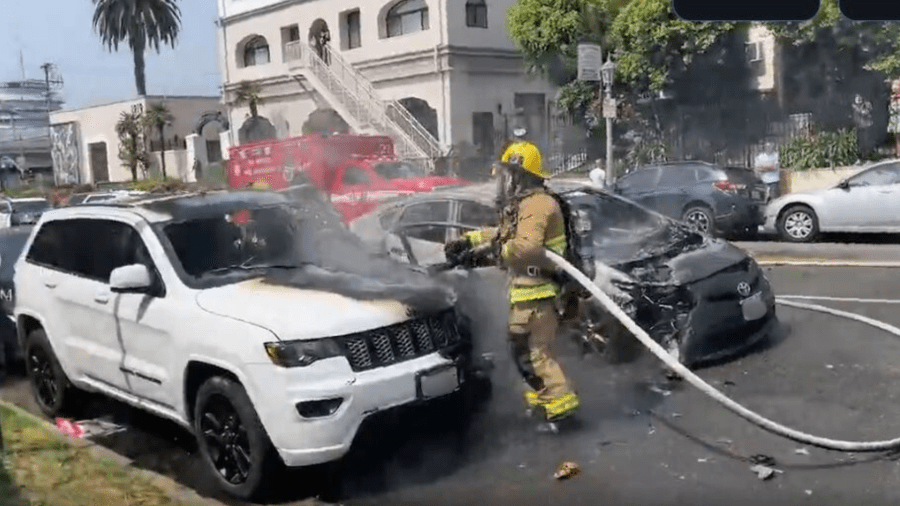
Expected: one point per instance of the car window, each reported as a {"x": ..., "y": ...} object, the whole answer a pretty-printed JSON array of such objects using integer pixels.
[
  {"x": 877, "y": 176},
  {"x": 426, "y": 212},
  {"x": 5, "y": 207},
  {"x": 356, "y": 176},
  {"x": 642, "y": 178},
  {"x": 90, "y": 248},
  {"x": 678, "y": 176},
  {"x": 436, "y": 211},
  {"x": 478, "y": 215},
  {"x": 32, "y": 206}
]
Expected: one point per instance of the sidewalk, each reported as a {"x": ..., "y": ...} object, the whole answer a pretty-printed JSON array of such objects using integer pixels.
[{"x": 887, "y": 255}]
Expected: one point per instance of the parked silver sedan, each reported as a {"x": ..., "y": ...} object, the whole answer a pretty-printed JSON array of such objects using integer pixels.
[{"x": 866, "y": 202}]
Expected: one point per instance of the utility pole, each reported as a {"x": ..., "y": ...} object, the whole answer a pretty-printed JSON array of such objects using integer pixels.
[
  {"x": 46, "y": 68},
  {"x": 607, "y": 72}
]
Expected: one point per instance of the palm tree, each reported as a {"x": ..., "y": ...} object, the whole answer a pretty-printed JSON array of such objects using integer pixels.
[
  {"x": 141, "y": 23},
  {"x": 157, "y": 118},
  {"x": 248, "y": 93},
  {"x": 129, "y": 128}
]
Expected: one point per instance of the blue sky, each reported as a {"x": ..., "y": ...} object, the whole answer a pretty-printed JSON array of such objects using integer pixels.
[{"x": 60, "y": 32}]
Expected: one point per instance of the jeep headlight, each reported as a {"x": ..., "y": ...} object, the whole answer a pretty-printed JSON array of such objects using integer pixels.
[{"x": 302, "y": 353}]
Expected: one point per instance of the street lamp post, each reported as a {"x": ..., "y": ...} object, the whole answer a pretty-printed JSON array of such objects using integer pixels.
[{"x": 607, "y": 73}]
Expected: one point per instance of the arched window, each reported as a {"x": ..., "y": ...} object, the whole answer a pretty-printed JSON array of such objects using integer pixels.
[
  {"x": 256, "y": 51},
  {"x": 408, "y": 16},
  {"x": 476, "y": 14}
]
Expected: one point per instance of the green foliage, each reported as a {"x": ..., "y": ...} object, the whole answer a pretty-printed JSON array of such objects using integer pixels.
[
  {"x": 825, "y": 149},
  {"x": 651, "y": 41},
  {"x": 131, "y": 150}
]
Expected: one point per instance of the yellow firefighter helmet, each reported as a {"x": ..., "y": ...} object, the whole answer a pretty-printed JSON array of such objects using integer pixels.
[{"x": 527, "y": 156}]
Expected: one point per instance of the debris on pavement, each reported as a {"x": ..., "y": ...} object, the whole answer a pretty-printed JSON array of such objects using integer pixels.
[
  {"x": 702, "y": 460},
  {"x": 808, "y": 492},
  {"x": 764, "y": 472},
  {"x": 566, "y": 470},
  {"x": 652, "y": 430},
  {"x": 70, "y": 428},
  {"x": 801, "y": 451},
  {"x": 724, "y": 441},
  {"x": 728, "y": 383},
  {"x": 764, "y": 460},
  {"x": 548, "y": 428},
  {"x": 829, "y": 366}
]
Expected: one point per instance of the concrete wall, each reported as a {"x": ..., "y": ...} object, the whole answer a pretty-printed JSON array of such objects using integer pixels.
[
  {"x": 177, "y": 165},
  {"x": 98, "y": 124},
  {"x": 816, "y": 179}
]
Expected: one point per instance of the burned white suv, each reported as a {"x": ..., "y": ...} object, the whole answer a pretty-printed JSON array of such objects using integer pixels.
[{"x": 234, "y": 315}]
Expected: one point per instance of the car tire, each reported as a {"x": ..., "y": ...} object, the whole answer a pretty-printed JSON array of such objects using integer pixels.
[
  {"x": 54, "y": 393},
  {"x": 228, "y": 429},
  {"x": 699, "y": 218},
  {"x": 798, "y": 223}
]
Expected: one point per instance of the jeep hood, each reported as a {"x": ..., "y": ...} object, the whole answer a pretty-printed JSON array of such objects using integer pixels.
[{"x": 298, "y": 313}]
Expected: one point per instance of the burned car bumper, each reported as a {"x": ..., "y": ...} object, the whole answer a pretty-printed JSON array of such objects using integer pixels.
[{"x": 727, "y": 317}]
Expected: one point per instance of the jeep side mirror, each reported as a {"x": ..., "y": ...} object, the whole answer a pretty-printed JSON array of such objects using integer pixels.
[
  {"x": 844, "y": 185},
  {"x": 133, "y": 278}
]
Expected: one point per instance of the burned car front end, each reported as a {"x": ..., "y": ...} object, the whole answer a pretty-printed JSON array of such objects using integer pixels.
[{"x": 700, "y": 297}]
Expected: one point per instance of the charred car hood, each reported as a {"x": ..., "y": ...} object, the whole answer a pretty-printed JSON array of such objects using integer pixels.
[
  {"x": 299, "y": 313},
  {"x": 713, "y": 256}
]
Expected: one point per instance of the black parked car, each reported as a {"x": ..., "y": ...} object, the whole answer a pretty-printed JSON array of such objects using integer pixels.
[
  {"x": 727, "y": 201},
  {"x": 12, "y": 242}
]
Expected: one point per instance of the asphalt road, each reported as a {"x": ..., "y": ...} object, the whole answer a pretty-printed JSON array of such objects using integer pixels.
[{"x": 634, "y": 445}]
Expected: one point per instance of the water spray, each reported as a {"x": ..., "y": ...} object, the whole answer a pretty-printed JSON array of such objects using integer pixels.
[{"x": 706, "y": 388}]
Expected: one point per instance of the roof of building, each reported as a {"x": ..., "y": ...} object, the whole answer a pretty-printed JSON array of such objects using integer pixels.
[{"x": 135, "y": 99}]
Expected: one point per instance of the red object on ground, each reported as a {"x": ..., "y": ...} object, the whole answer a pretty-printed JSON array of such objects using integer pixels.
[
  {"x": 355, "y": 171},
  {"x": 69, "y": 428}
]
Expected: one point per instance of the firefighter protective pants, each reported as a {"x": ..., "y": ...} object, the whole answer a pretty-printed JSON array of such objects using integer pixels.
[{"x": 532, "y": 333}]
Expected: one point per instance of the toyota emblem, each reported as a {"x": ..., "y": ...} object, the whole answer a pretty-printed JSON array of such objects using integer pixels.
[{"x": 743, "y": 289}]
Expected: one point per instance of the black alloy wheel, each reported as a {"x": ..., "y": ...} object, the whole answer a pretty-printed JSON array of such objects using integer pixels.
[
  {"x": 233, "y": 441},
  {"x": 46, "y": 386},
  {"x": 226, "y": 439}
]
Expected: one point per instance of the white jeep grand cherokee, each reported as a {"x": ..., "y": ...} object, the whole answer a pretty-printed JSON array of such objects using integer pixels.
[{"x": 214, "y": 310}]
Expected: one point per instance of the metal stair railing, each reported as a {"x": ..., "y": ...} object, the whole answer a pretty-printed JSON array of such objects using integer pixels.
[{"x": 358, "y": 95}]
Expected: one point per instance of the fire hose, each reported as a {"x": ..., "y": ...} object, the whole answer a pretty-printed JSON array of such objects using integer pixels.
[{"x": 706, "y": 388}]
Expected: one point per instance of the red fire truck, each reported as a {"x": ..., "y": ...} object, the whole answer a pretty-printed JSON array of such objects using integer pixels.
[{"x": 355, "y": 171}]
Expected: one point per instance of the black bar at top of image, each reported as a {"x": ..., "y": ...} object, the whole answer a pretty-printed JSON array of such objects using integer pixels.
[
  {"x": 750, "y": 10},
  {"x": 870, "y": 10}
]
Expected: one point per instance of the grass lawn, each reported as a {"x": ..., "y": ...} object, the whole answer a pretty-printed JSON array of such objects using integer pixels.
[{"x": 38, "y": 469}]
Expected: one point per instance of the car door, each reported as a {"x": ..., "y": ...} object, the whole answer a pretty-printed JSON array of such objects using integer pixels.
[
  {"x": 672, "y": 190},
  {"x": 76, "y": 257},
  {"x": 866, "y": 203},
  {"x": 5, "y": 214},
  {"x": 639, "y": 186},
  {"x": 424, "y": 227},
  {"x": 144, "y": 321}
]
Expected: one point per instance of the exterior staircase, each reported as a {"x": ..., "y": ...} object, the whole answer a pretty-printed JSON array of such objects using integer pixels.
[{"x": 354, "y": 97}]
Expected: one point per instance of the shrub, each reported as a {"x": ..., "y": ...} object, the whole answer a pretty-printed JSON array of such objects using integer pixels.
[{"x": 825, "y": 149}]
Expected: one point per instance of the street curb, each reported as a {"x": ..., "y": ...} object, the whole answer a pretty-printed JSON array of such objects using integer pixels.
[
  {"x": 171, "y": 487},
  {"x": 828, "y": 263}
]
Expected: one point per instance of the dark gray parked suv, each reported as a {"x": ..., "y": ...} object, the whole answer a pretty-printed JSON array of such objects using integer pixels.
[{"x": 716, "y": 200}]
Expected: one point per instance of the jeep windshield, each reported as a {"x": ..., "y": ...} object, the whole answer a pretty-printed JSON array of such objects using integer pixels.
[{"x": 240, "y": 243}]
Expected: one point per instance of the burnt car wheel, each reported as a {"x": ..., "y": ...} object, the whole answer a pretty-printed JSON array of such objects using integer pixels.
[
  {"x": 699, "y": 218},
  {"x": 798, "y": 224},
  {"x": 52, "y": 390},
  {"x": 232, "y": 439}
]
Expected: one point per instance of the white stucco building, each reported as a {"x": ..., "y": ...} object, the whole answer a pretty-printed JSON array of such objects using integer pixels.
[
  {"x": 449, "y": 62},
  {"x": 85, "y": 144}
]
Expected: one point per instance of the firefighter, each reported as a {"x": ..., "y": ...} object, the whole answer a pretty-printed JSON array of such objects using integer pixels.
[{"x": 531, "y": 220}]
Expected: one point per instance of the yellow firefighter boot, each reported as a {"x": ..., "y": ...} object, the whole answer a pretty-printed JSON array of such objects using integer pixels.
[
  {"x": 531, "y": 399},
  {"x": 562, "y": 407}
]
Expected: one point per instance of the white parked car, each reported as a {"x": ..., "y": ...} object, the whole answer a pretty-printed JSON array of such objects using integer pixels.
[
  {"x": 204, "y": 310},
  {"x": 866, "y": 202},
  {"x": 22, "y": 211}
]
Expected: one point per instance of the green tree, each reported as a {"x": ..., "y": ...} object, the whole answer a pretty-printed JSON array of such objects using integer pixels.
[
  {"x": 652, "y": 43},
  {"x": 156, "y": 119},
  {"x": 248, "y": 93},
  {"x": 131, "y": 152},
  {"x": 648, "y": 39},
  {"x": 140, "y": 23}
]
